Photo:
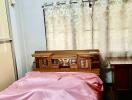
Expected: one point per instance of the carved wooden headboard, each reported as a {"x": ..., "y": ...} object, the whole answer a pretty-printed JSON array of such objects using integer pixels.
[{"x": 68, "y": 60}]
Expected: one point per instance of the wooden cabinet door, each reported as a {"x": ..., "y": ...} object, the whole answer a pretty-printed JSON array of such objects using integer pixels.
[
  {"x": 7, "y": 72},
  {"x": 122, "y": 77}
]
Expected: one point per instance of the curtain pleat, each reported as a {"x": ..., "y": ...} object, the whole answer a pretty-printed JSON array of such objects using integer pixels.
[
  {"x": 128, "y": 27},
  {"x": 116, "y": 34},
  {"x": 82, "y": 26},
  {"x": 100, "y": 27},
  {"x": 49, "y": 24}
]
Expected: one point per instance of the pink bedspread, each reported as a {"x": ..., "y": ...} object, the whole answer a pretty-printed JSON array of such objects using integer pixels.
[{"x": 55, "y": 86}]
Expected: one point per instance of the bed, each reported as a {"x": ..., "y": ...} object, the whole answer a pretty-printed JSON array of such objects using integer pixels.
[{"x": 59, "y": 76}]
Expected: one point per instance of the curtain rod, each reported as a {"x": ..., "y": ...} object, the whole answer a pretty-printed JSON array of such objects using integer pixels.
[{"x": 71, "y": 2}]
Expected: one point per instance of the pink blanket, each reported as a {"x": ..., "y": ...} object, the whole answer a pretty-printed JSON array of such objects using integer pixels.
[{"x": 55, "y": 86}]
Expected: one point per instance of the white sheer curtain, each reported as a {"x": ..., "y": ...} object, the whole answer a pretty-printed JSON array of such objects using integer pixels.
[
  {"x": 82, "y": 25},
  {"x": 120, "y": 28},
  {"x": 128, "y": 27},
  {"x": 106, "y": 26},
  {"x": 59, "y": 27},
  {"x": 116, "y": 30},
  {"x": 100, "y": 26},
  {"x": 68, "y": 26}
]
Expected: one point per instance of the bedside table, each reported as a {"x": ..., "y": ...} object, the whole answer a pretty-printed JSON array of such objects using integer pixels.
[{"x": 122, "y": 77}]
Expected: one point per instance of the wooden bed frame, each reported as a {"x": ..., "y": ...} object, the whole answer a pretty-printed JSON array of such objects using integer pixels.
[{"x": 68, "y": 60}]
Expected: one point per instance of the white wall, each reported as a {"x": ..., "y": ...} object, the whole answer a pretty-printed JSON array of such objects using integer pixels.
[{"x": 28, "y": 32}]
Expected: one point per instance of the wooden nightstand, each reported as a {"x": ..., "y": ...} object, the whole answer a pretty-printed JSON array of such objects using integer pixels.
[{"x": 122, "y": 77}]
